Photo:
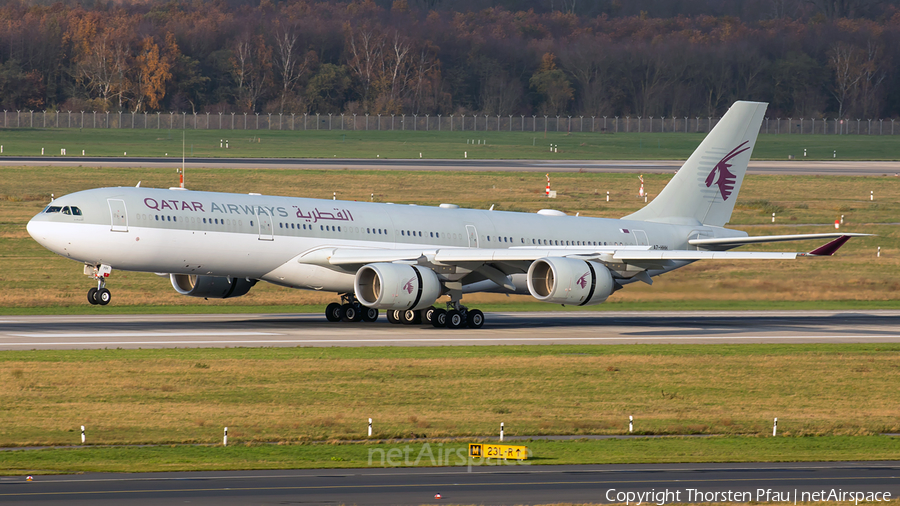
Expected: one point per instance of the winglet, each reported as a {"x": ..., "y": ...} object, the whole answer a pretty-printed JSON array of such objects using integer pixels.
[{"x": 829, "y": 248}]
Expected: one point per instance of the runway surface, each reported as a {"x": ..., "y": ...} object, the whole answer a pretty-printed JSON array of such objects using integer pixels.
[
  {"x": 521, "y": 484},
  {"x": 253, "y": 330},
  {"x": 855, "y": 168}
]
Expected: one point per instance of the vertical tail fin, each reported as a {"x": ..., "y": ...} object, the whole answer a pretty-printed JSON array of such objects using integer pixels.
[{"x": 705, "y": 188}]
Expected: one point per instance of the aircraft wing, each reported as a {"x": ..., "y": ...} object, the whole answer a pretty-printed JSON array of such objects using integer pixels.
[{"x": 346, "y": 257}]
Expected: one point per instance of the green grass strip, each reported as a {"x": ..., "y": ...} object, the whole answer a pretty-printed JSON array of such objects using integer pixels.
[{"x": 312, "y": 456}]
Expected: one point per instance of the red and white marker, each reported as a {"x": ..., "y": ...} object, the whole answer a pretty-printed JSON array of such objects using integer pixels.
[
  {"x": 837, "y": 223},
  {"x": 641, "y": 191},
  {"x": 437, "y": 496},
  {"x": 548, "y": 185}
]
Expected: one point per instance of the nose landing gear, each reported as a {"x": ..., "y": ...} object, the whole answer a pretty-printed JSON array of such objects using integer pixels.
[{"x": 99, "y": 295}]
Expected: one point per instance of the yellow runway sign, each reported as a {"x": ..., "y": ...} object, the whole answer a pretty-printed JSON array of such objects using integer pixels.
[{"x": 490, "y": 451}]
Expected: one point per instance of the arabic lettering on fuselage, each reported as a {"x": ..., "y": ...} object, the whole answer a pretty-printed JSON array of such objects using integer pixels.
[{"x": 315, "y": 215}]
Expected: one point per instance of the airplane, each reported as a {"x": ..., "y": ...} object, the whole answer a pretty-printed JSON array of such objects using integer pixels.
[{"x": 402, "y": 258}]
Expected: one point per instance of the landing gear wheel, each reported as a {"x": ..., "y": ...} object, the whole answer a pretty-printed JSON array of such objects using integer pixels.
[
  {"x": 103, "y": 296},
  {"x": 92, "y": 296},
  {"x": 455, "y": 320},
  {"x": 351, "y": 313},
  {"x": 439, "y": 318},
  {"x": 411, "y": 317},
  {"x": 369, "y": 314},
  {"x": 428, "y": 314},
  {"x": 393, "y": 316},
  {"x": 334, "y": 312},
  {"x": 475, "y": 319}
]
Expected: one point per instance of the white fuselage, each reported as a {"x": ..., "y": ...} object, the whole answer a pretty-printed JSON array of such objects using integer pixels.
[{"x": 266, "y": 237}]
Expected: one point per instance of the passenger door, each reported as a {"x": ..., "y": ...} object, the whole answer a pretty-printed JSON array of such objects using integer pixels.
[
  {"x": 266, "y": 231},
  {"x": 118, "y": 215}
]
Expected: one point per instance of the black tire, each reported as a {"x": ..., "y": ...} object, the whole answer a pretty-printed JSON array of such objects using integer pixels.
[
  {"x": 92, "y": 296},
  {"x": 411, "y": 317},
  {"x": 369, "y": 314},
  {"x": 455, "y": 320},
  {"x": 428, "y": 314},
  {"x": 392, "y": 316},
  {"x": 475, "y": 319},
  {"x": 352, "y": 313},
  {"x": 334, "y": 312},
  {"x": 439, "y": 318},
  {"x": 103, "y": 296}
]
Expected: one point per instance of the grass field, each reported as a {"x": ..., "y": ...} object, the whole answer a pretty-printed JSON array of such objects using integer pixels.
[
  {"x": 38, "y": 281},
  {"x": 431, "y": 145},
  {"x": 304, "y": 394}
]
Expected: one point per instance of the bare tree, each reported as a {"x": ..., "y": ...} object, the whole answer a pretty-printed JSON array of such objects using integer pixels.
[
  {"x": 291, "y": 66},
  {"x": 844, "y": 60}
]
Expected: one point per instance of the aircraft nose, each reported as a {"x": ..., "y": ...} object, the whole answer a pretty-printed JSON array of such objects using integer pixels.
[{"x": 37, "y": 229}]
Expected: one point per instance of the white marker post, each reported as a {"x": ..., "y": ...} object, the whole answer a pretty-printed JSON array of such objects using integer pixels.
[
  {"x": 607, "y": 196},
  {"x": 42, "y": 151},
  {"x": 842, "y": 219},
  {"x": 370, "y": 427},
  {"x": 221, "y": 141},
  {"x": 501, "y": 432},
  {"x": 775, "y": 427},
  {"x": 82, "y": 434},
  {"x": 226, "y": 143},
  {"x": 465, "y": 154},
  {"x": 333, "y": 195},
  {"x": 871, "y": 195},
  {"x": 773, "y": 217},
  {"x": 225, "y": 439},
  {"x": 879, "y": 252},
  {"x": 630, "y": 423}
]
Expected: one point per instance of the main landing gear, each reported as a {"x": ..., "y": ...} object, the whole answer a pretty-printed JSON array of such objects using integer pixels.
[
  {"x": 456, "y": 316},
  {"x": 99, "y": 295},
  {"x": 350, "y": 310}
]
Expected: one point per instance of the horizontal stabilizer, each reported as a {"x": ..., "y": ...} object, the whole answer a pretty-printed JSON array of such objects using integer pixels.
[
  {"x": 829, "y": 248},
  {"x": 733, "y": 242}
]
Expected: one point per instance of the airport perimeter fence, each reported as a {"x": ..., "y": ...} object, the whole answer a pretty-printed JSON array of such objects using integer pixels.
[{"x": 427, "y": 122}]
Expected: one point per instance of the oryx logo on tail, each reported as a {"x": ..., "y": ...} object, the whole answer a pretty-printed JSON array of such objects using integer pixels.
[{"x": 721, "y": 176}]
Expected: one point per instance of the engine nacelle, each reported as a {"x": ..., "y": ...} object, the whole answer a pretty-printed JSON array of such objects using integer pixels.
[
  {"x": 211, "y": 287},
  {"x": 396, "y": 286},
  {"x": 562, "y": 280}
]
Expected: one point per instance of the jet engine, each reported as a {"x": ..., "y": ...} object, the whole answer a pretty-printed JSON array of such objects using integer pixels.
[
  {"x": 211, "y": 287},
  {"x": 561, "y": 280},
  {"x": 396, "y": 286}
]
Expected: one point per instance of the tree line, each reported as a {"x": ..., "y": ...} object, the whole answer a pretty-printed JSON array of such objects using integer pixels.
[{"x": 807, "y": 59}]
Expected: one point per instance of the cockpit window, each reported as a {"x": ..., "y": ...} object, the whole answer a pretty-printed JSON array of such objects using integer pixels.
[
  {"x": 76, "y": 211},
  {"x": 66, "y": 210},
  {"x": 53, "y": 209}
]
